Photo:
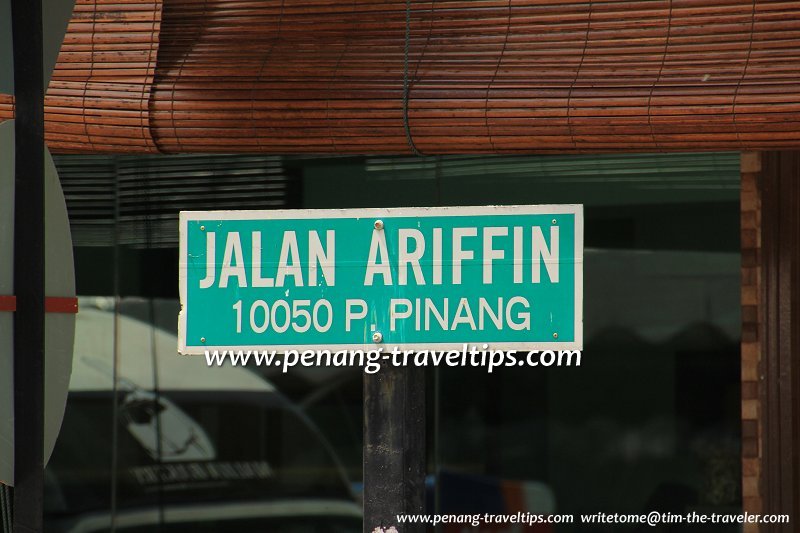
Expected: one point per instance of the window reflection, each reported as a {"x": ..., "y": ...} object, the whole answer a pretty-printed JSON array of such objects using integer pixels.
[
  {"x": 650, "y": 421},
  {"x": 193, "y": 448}
]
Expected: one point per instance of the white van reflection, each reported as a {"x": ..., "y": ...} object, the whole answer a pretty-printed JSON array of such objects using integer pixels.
[
  {"x": 191, "y": 448},
  {"x": 147, "y": 415}
]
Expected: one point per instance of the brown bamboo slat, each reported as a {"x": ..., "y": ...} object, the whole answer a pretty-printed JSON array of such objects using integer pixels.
[
  {"x": 486, "y": 76},
  {"x": 6, "y": 107},
  {"x": 98, "y": 98}
]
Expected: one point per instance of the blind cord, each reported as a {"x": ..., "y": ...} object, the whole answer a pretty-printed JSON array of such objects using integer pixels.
[{"x": 409, "y": 138}]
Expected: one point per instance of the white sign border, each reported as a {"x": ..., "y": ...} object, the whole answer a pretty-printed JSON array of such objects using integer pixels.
[{"x": 388, "y": 212}]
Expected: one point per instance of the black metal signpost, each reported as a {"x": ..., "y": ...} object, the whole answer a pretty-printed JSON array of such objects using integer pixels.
[
  {"x": 394, "y": 447},
  {"x": 26, "y": 23}
]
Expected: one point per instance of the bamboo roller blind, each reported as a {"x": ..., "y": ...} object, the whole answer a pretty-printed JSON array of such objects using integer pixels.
[
  {"x": 484, "y": 76},
  {"x": 6, "y": 107},
  {"x": 98, "y": 98}
]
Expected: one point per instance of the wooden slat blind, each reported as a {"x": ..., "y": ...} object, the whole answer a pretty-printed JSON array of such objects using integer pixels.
[
  {"x": 98, "y": 98},
  {"x": 486, "y": 76}
]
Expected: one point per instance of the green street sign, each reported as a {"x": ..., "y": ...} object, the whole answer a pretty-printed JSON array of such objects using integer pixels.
[{"x": 414, "y": 278}]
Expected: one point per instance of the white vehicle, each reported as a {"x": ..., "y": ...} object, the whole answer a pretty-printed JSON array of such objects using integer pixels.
[{"x": 191, "y": 448}]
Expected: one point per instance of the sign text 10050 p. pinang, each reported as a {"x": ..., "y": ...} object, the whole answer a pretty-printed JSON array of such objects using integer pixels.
[{"x": 416, "y": 278}]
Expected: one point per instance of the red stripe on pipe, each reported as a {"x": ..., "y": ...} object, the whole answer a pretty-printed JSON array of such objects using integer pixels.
[
  {"x": 52, "y": 304},
  {"x": 8, "y": 303},
  {"x": 58, "y": 304}
]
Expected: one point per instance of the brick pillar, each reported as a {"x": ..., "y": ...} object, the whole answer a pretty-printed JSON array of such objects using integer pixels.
[
  {"x": 770, "y": 238},
  {"x": 751, "y": 346}
]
